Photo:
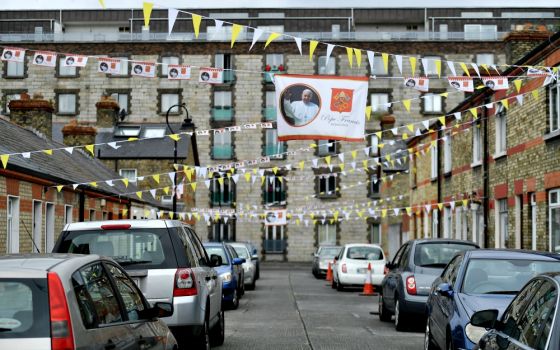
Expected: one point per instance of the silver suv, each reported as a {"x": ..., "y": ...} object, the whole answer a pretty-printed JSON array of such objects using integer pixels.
[{"x": 167, "y": 261}]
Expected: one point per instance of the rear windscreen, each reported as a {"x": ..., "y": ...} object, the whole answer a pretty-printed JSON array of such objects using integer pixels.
[
  {"x": 364, "y": 253},
  {"x": 217, "y": 251},
  {"x": 133, "y": 249},
  {"x": 24, "y": 308},
  {"x": 438, "y": 254}
]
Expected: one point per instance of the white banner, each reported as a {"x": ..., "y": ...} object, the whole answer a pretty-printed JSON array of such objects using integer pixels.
[
  {"x": 44, "y": 58},
  {"x": 535, "y": 72},
  {"x": 421, "y": 84},
  {"x": 109, "y": 65},
  {"x": 496, "y": 83},
  {"x": 178, "y": 72},
  {"x": 74, "y": 61},
  {"x": 13, "y": 54},
  {"x": 275, "y": 217},
  {"x": 143, "y": 69},
  {"x": 211, "y": 75},
  {"x": 462, "y": 83},
  {"x": 312, "y": 107}
]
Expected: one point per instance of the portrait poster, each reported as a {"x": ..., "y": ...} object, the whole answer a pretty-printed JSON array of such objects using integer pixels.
[
  {"x": 44, "y": 58},
  {"x": 496, "y": 83},
  {"x": 13, "y": 54},
  {"x": 211, "y": 75},
  {"x": 461, "y": 83},
  {"x": 143, "y": 69},
  {"x": 311, "y": 107},
  {"x": 109, "y": 65},
  {"x": 178, "y": 72},
  {"x": 72, "y": 60},
  {"x": 275, "y": 217},
  {"x": 420, "y": 84}
]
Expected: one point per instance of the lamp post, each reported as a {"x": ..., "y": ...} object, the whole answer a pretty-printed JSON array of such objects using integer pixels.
[{"x": 187, "y": 122}]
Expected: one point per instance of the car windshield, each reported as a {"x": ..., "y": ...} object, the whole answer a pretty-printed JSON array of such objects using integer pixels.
[
  {"x": 24, "y": 308},
  {"x": 217, "y": 251},
  {"x": 507, "y": 276},
  {"x": 329, "y": 252},
  {"x": 242, "y": 252},
  {"x": 364, "y": 253},
  {"x": 131, "y": 248},
  {"x": 438, "y": 254}
]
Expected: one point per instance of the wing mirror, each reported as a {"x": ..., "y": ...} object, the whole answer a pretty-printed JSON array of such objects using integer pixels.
[
  {"x": 160, "y": 309},
  {"x": 485, "y": 318},
  {"x": 238, "y": 261},
  {"x": 445, "y": 290},
  {"x": 215, "y": 260},
  {"x": 254, "y": 257},
  {"x": 389, "y": 266}
]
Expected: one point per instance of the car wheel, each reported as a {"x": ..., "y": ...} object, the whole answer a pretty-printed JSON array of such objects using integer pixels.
[
  {"x": 339, "y": 286},
  {"x": 202, "y": 342},
  {"x": 242, "y": 287},
  {"x": 258, "y": 275},
  {"x": 218, "y": 332},
  {"x": 252, "y": 285},
  {"x": 428, "y": 341},
  {"x": 400, "y": 317},
  {"x": 384, "y": 314},
  {"x": 234, "y": 301},
  {"x": 333, "y": 284}
]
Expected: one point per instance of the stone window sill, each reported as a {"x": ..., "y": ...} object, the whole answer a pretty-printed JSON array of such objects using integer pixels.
[
  {"x": 476, "y": 164},
  {"x": 500, "y": 155},
  {"x": 552, "y": 136}
]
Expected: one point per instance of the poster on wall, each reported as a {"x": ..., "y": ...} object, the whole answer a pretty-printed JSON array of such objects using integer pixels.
[
  {"x": 311, "y": 107},
  {"x": 275, "y": 217}
]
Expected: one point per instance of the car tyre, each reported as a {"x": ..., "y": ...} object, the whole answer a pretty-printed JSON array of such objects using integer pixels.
[
  {"x": 257, "y": 274},
  {"x": 339, "y": 286},
  {"x": 234, "y": 303},
  {"x": 428, "y": 341},
  {"x": 202, "y": 341},
  {"x": 400, "y": 317},
  {"x": 384, "y": 313},
  {"x": 333, "y": 284},
  {"x": 252, "y": 285},
  {"x": 242, "y": 287},
  {"x": 218, "y": 332}
]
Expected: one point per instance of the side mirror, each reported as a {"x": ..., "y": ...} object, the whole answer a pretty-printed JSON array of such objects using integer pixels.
[
  {"x": 254, "y": 257},
  {"x": 238, "y": 261},
  {"x": 485, "y": 318},
  {"x": 160, "y": 309},
  {"x": 445, "y": 290},
  {"x": 215, "y": 260}
]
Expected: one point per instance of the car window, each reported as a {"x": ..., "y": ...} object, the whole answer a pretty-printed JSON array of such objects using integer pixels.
[
  {"x": 450, "y": 273},
  {"x": 96, "y": 297},
  {"x": 188, "y": 247},
  {"x": 399, "y": 254},
  {"x": 242, "y": 252},
  {"x": 218, "y": 250},
  {"x": 437, "y": 254},
  {"x": 364, "y": 253},
  {"x": 232, "y": 252},
  {"x": 131, "y": 297},
  {"x": 405, "y": 257},
  {"x": 328, "y": 252},
  {"x": 197, "y": 247}
]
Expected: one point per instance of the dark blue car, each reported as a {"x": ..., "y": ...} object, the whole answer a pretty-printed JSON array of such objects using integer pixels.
[
  {"x": 477, "y": 280},
  {"x": 230, "y": 272}
]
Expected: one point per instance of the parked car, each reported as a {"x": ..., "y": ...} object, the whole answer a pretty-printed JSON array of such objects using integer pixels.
[
  {"x": 255, "y": 258},
  {"x": 239, "y": 268},
  {"x": 321, "y": 259},
  {"x": 61, "y": 301},
  {"x": 249, "y": 267},
  {"x": 530, "y": 322},
  {"x": 230, "y": 272},
  {"x": 476, "y": 280},
  {"x": 167, "y": 261},
  {"x": 406, "y": 286},
  {"x": 351, "y": 265}
]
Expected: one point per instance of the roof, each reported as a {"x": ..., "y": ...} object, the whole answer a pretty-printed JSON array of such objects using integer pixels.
[
  {"x": 61, "y": 167},
  {"x": 517, "y": 254},
  {"x": 37, "y": 262},
  {"x": 442, "y": 240},
  {"x": 156, "y": 148}
]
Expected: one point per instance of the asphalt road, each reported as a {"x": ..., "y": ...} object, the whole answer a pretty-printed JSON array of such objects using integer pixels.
[{"x": 290, "y": 309}]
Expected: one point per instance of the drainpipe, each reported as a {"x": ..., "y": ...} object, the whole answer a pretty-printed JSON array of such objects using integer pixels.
[
  {"x": 439, "y": 178},
  {"x": 82, "y": 206},
  {"x": 485, "y": 169}
]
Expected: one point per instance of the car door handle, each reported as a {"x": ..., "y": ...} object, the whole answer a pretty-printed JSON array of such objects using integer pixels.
[{"x": 208, "y": 278}]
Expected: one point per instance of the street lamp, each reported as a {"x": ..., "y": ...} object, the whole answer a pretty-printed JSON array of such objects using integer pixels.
[{"x": 187, "y": 122}]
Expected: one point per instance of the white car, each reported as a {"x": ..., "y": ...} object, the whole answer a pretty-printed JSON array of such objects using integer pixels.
[
  {"x": 351, "y": 265},
  {"x": 249, "y": 266}
]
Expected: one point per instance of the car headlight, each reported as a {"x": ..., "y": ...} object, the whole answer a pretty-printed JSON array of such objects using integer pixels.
[
  {"x": 226, "y": 277},
  {"x": 474, "y": 333}
]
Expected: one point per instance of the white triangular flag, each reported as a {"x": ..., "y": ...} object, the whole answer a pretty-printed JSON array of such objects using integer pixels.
[
  {"x": 235, "y": 178},
  {"x": 426, "y": 123},
  {"x": 314, "y": 161},
  {"x": 26, "y": 155},
  {"x": 153, "y": 193},
  {"x": 476, "y": 69},
  {"x": 452, "y": 68},
  {"x": 75, "y": 186},
  {"x": 366, "y": 151},
  {"x": 114, "y": 145},
  {"x": 69, "y": 149},
  {"x": 425, "y": 64},
  {"x": 171, "y": 17},
  {"x": 109, "y": 182},
  {"x": 396, "y": 211},
  {"x": 261, "y": 172},
  {"x": 172, "y": 177},
  {"x": 457, "y": 115},
  {"x": 219, "y": 25},
  {"x": 226, "y": 218},
  {"x": 341, "y": 157},
  {"x": 370, "y": 56},
  {"x": 398, "y": 58},
  {"x": 330, "y": 48},
  {"x": 288, "y": 167},
  {"x": 519, "y": 99},
  {"x": 298, "y": 43},
  {"x": 489, "y": 105},
  {"x": 353, "y": 164},
  {"x": 256, "y": 35},
  {"x": 452, "y": 205}
]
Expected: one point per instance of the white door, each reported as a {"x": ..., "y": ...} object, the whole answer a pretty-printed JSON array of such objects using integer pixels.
[
  {"x": 49, "y": 227},
  {"x": 394, "y": 239},
  {"x": 37, "y": 225},
  {"x": 13, "y": 225}
]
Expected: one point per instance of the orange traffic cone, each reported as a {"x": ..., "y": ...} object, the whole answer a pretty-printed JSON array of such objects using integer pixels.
[
  {"x": 329, "y": 274},
  {"x": 368, "y": 287}
]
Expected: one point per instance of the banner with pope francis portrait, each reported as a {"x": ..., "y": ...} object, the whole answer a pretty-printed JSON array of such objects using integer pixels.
[{"x": 311, "y": 107}]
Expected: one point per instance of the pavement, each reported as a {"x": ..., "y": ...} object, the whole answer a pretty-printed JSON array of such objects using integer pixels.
[{"x": 290, "y": 309}]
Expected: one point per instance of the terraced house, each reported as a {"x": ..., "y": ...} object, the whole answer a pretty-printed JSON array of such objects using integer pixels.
[{"x": 247, "y": 96}]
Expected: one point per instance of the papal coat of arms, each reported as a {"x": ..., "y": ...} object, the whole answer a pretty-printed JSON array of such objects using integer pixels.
[{"x": 341, "y": 100}]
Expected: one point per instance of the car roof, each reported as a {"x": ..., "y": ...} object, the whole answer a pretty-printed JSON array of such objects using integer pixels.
[
  {"x": 512, "y": 254},
  {"x": 213, "y": 244},
  {"x": 94, "y": 225},
  {"x": 362, "y": 245},
  {"x": 442, "y": 240},
  {"x": 238, "y": 244},
  {"x": 35, "y": 265}
]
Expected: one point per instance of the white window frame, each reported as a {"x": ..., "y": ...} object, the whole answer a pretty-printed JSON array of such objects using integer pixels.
[
  {"x": 220, "y": 61},
  {"x": 329, "y": 230},
  {"x": 12, "y": 212},
  {"x": 374, "y": 148},
  {"x": 435, "y": 223},
  {"x": 553, "y": 206},
  {"x": 92, "y": 214},
  {"x": 49, "y": 226},
  {"x": 155, "y": 132},
  {"x": 476, "y": 145},
  {"x": 166, "y": 199},
  {"x": 15, "y": 69},
  {"x": 125, "y": 173},
  {"x": 271, "y": 139},
  {"x": 478, "y": 226},
  {"x": 502, "y": 219},
  {"x": 66, "y": 71},
  {"x": 327, "y": 179},
  {"x": 223, "y": 99},
  {"x": 124, "y": 66},
  {"x": 68, "y": 214},
  {"x": 168, "y": 100},
  {"x": 434, "y": 164},
  {"x": 324, "y": 68},
  {"x": 67, "y": 106},
  {"x": 122, "y": 100},
  {"x": 225, "y": 230},
  {"x": 447, "y": 154},
  {"x": 447, "y": 223},
  {"x": 277, "y": 232},
  {"x": 372, "y": 228},
  {"x": 270, "y": 99},
  {"x": 379, "y": 66},
  {"x": 500, "y": 120},
  {"x": 433, "y": 103},
  {"x": 534, "y": 218},
  {"x": 274, "y": 60},
  {"x": 166, "y": 61},
  {"x": 36, "y": 225},
  {"x": 458, "y": 223},
  {"x": 554, "y": 106},
  {"x": 379, "y": 101},
  {"x": 328, "y": 149}
]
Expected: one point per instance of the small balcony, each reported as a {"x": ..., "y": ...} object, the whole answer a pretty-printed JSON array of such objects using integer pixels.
[
  {"x": 269, "y": 114},
  {"x": 275, "y": 245},
  {"x": 222, "y": 114},
  {"x": 269, "y": 74},
  {"x": 222, "y": 152}
]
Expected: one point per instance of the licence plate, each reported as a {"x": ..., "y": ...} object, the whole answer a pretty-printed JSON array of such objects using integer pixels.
[{"x": 364, "y": 271}]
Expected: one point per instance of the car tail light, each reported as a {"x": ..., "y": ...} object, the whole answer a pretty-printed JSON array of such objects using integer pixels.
[
  {"x": 411, "y": 285},
  {"x": 116, "y": 227},
  {"x": 344, "y": 268},
  {"x": 185, "y": 283},
  {"x": 385, "y": 270},
  {"x": 61, "y": 325}
]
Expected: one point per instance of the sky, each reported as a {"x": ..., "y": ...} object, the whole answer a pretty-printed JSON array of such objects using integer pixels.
[{"x": 239, "y": 4}]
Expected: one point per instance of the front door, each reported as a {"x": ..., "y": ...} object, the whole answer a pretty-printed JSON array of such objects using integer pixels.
[{"x": 394, "y": 239}]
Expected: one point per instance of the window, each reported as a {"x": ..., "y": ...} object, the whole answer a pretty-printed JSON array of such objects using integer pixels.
[
  {"x": 92, "y": 215},
  {"x": 166, "y": 199},
  {"x": 326, "y": 147},
  {"x": 502, "y": 210},
  {"x": 480, "y": 32},
  {"x": 447, "y": 223},
  {"x": 275, "y": 62},
  {"x": 533, "y": 215},
  {"x": 447, "y": 152},
  {"x": 165, "y": 62},
  {"x": 374, "y": 145},
  {"x": 123, "y": 100},
  {"x": 274, "y": 191},
  {"x": 132, "y": 299},
  {"x": 430, "y": 68},
  {"x": 379, "y": 102},
  {"x": 434, "y": 152},
  {"x": 271, "y": 29},
  {"x": 66, "y": 103},
  {"x": 36, "y": 225},
  {"x": 435, "y": 223},
  {"x": 518, "y": 220},
  {"x": 67, "y": 214},
  {"x": 379, "y": 66},
  {"x": 15, "y": 69},
  {"x": 476, "y": 145},
  {"x": 485, "y": 58},
  {"x": 374, "y": 186},
  {"x": 554, "y": 105},
  {"x": 270, "y": 106},
  {"x": 97, "y": 300},
  {"x": 554, "y": 215},
  {"x": 64, "y": 71},
  {"x": 222, "y": 191},
  {"x": 127, "y": 131},
  {"x": 326, "y": 234},
  {"x": 375, "y": 233},
  {"x": 222, "y": 148},
  {"x": 275, "y": 241},
  {"x": 326, "y": 68},
  {"x": 222, "y": 99},
  {"x": 273, "y": 147},
  {"x": 168, "y": 100},
  {"x": 10, "y": 97},
  {"x": 327, "y": 186},
  {"x": 13, "y": 225},
  {"x": 129, "y": 174},
  {"x": 432, "y": 103},
  {"x": 224, "y": 61},
  {"x": 501, "y": 130},
  {"x": 223, "y": 231},
  {"x": 154, "y": 132}
]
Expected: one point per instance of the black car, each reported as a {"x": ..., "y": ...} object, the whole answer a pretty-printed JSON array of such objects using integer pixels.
[
  {"x": 406, "y": 286},
  {"x": 531, "y": 321}
]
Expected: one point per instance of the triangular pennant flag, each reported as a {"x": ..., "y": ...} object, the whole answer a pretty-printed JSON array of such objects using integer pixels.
[
  {"x": 458, "y": 115},
  {"x": 153, "y": 193},
  {"x": 442, "y": 120},
  {"x": 396, "y": 211},
  {"x": 406, "y": 104},
  {"x": 59, "y": 188},
  {"x": 517, "y": 84},
  {"x": 385, "y": 61},
  {"x": 301, "y": 164},
  {"x": 156, "y": 178},
  {"x": 452, "y": 205},
  {"x": 408, "y": 211},
  {"x": 519, "y": 99},
  {"x": 505, "y": 103},
  {"x": 102, "y": 3},
  {"x": 298, "y": 43},
  {"x": 207, "y": 183},
  {"x": 114, "y": 145},
  {"x": 90, "y": 148},
  {"x": 314, "y": 161},
  {"x": 139, "y": 194},
  {"x": 148, "y": 6},
  {"x": 275, "y": 170},
  {"x": 4, "y": 158},
  {"x": 452, "y": 68},
  {"x": 93, "y": 184},
  {"x": 26, "y": 155},
  {"x": 465, "y": 68},
  {"x": 341, "y": 157},
  {"x": 109, "y": 183},
  {"x": 358, "y": 54},
  {"x": 74, "y": 186},
  {"x": 219, "y": 25},
  {"x": 174, "y": 137},
  {"x": 125, "y": 182},
  {"x": 410, "y": 127},
  {"x": 247, "y": 177},
  {"x": 535, "y": 94},
  {"x": 440, "y": 206},
  {"x": 271, "y": 37},
  {"x": 350, "y": 55},
  {"x": 438, "y": 68},
  {"x": 412, "y": 60},
  {"x": 256, "y": 36},
  {"x": 235, "y": 178},
  {"x": 475, "y": 67},
  {"x": 48, "y": 151},
  {"x": 193, "y": 186},
  {"x": 69, "y": 149},
  {"x": 171, "y": 18},
  {"x": 465, "y": 202},
  {"x": 328, "y": 160},
  {"x": 398, "y": 58},
  {"x": 235, "y": 30},
  {"x": 330, "y": 48},
  {"x": 196, "y": 19},
  {"x": 485, "y": 66},
  {"x": 368, "y": 112},
  {"x": 474, "y": 112},
  {"x": 166, "y": 190},
  {"x": 370, "y": 56},
  {"x": 312, "y": 46},
  {"x": 354, "y": 154}
]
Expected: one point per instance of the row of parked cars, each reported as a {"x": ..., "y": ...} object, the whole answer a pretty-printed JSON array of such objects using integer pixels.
[
  {"x": 136, "y": 284},
  {"x": 471, "y": 298}
]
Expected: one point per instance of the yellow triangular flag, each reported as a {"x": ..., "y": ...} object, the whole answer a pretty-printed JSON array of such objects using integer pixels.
[
  {"x": 102, "y": 3},
  {"x": 485, "y": 66},
  {"x": 535, "y": 94},
  {"x": 301, "y": 164},
  {"x": 517, "y": 84},
  {"x": 358, "y": 54},
  {"x": 412, "y": 64},
  {"x": 174, "y": 137},
  {"x": 465, "y": 202},
  {"x": 280, "y": 179},
  {"x": 341, "y": 166},
  {"x": 156, "y": 178},
  {"x": 442, "y": 120},
  {"x": 196, "y": 24},
  {"x": 176, "y": 167},
  {"x": 444, "y": 94},
  {"x": 405, "y": 136},
  {"x": 59, "y": 188},
  {"x": 385, "y": 61},
  {"x": 465, "y": 69},
  {"x": 354, "y": 154},
  {"x": 368, "y": 112},
  {"x": 235, "y": 30},
  {"x": 124, "y": 212},
  {"x": 125, "y": 182},
  {"x": 48, "y": 151},
  {"x": 505, "y": 103},
  {"x": 166, "y": 190},
  {"x": 262, "y": 179},
  {"x": 350, "y": 55},
  {"x": 271, "y": 38},
  {"x": 90, "y": 149},
  {"x": 193, "y": 186},
  {"x": 328, "y": 160},
  {"x": 171, "y": 215},
  {"x": 474, "y": 112},
  {"x": 365, "y": 163},
  {"x": 408, "y": 210},
  {"x": 410, "y": 127},
  {"x": 383, "y": 213},
  {"x": 93, "y": 184},
  {"x": 130, "y": 139},
  {"x": 139, "y": 194},
  {"x": 221, "y": 181},
  {"x": 297, "y": 222},
  {"x": 379, "y": 134},
  {"x": 440, "y": 206},
  {"x": 275, "y": 170},
  {"x": 148, "y": 6},
  {"x": 312, "y": 46},
  {"x": 4, "y": 158},
  {"x": 247, "y": 177},
  {"x": 406, "y": 104},
  {"x": 438, "y": 68}
]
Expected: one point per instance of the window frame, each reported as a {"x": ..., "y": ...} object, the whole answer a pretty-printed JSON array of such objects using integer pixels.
[
  {"x": 61, "y": 92},
  {"x": 24, "y": 75},
  {"x": 500, "y": 122},
  {"x": 434, "y": 162},
  {"x": 12, "y": 224},
  {"x": 178, "y": 110},
  {"x": 378, "y": 60},
  {"x": 59, "y": 67},
  {"x": 554, "y": 107},
  {"x": 216, "y": 187},
  {"x": 476, "y": 145},
  {"x": 126, "y": 177},
  {"x": 448, "y": 154},
  {"x": 124, "y": 92},
  {"x": 553, "y": 206},
  {"x": 329, "y": 151},
  {"x": 432, "y": 97},
  {"x": 10, "y": 92},
  {"x": 125, "y": 60},
  {"x": 502, "y": 213},
  {"x": 320, "y": 226},
  {"x": 272, "y": 230},
  {"x": 221, "y": 136},
  {"x": 281, "y": 145},
  {"x": 275, "y": 184},
  {"x": 327, "y": 180},
  {"x": 371, "y": 234},
  {"x": 162, "y": 73},
  {"x": 432, "y": 61},
  {"x": 377, "y": 108},
  {"x": 333, "y": 60}
]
